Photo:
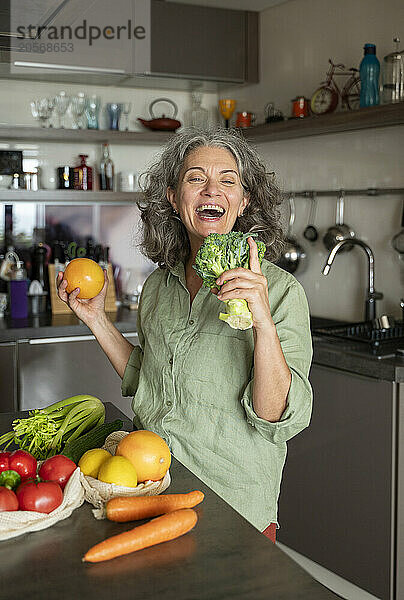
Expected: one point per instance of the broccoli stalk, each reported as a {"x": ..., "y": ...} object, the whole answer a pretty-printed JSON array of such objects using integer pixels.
[{"x": 222, "y": 252}]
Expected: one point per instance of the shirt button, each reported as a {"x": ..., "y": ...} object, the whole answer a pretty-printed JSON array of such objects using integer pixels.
[
  {"x": 169, "y": 403},
  {"x": 191, "y": 322},
  {"x": 171, "y": 361}
]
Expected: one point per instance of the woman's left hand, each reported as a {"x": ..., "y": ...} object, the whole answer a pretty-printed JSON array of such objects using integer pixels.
[{"x": 250, "y": 285}]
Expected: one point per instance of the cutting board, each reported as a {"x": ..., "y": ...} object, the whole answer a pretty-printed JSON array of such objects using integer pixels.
[{"x": 61, "y": 308}]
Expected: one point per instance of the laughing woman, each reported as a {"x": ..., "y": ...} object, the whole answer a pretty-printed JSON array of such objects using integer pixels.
[{"x": 226, "y": 401}]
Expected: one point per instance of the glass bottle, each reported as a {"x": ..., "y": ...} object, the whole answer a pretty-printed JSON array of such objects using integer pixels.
[
  {"x": 107, "y": 170},
  {"x": 369, "y": 74},
  {"x": 83, "y": 175},
  {"x": 198, "y": 114},
  {"x": 19, "y": 292},
  {"x": 393, "y": 75}
]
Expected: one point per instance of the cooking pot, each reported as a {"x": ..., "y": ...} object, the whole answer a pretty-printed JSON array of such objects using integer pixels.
[
  {"x": 293, "y": 256},
  {"x": 338, "y": 232},
  {"x": 163, "y": 123}
]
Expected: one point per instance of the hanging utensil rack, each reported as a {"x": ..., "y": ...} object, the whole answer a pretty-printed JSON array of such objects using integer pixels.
[{"x": 359, "y": 192}]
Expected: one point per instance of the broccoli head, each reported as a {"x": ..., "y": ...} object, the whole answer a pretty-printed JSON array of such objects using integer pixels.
[{"x": 222, "y": 252}]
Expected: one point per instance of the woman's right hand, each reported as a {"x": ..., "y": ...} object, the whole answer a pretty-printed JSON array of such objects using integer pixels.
[{"x": 87, "y": 311}]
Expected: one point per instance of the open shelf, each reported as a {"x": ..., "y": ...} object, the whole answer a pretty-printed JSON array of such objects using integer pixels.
[
  {"x": 99, "y": 136},
  {"x": 68, "y": 197},
  {"x": 386, "y": 115}
]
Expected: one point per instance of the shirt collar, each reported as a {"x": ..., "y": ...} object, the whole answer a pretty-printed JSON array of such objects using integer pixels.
[{"x": 178, "y": 271}]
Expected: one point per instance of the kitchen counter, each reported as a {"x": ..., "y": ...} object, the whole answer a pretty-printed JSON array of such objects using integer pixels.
[
  {"x": 328, "y": 352},
  {"x": 49, "y": 325},
  {"x": 222, "y": 557}
]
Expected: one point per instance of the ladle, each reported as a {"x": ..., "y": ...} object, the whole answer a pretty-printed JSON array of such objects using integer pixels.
[{"x": 311, "y": 233}]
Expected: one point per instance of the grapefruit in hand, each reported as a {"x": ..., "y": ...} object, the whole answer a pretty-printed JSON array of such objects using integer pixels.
[
  {"x": 85, "y": 274},
  {"x": 147, "y": 452}
]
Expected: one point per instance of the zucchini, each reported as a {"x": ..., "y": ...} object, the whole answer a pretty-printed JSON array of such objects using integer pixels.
[{"x": 94, "y": 438}]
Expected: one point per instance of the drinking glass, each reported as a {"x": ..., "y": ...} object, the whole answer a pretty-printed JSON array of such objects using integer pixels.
[
  {"x": 77, "y": 107},
  {"x": 126, "y": 108},
  {"x": 42, "y": 110},
  {"x": 226, "y": 107},
  {"x": 114, "y": 112},
  {"x": 62, "y": 101},
  {"x": 92, "y": 111}
]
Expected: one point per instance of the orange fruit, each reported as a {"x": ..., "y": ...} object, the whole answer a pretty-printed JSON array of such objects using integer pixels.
[
  {"x": 85, "y": 274},
  {"x": 147, "y": 452}
]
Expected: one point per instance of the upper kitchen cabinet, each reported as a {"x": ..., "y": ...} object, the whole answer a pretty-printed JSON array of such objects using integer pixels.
[
  {"x": 131, "y": 43},
  {"x": 204, "y": 43}
]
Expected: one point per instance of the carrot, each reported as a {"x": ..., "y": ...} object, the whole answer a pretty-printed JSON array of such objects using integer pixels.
[
  {"x": 161, "y": 529},
  {"x": 133, "y": 508}
]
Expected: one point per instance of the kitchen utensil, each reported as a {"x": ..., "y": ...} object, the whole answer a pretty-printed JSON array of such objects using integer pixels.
[
  {"x": 226, "y": 107},
  {"x": 245, "y": 119},
  {"x": 311, "y": 233},
  {"x": 393, "y": 75},
  {"x": 398, "y": 240},
  {"x": 338, "y": 232},
  {"x": 293, "y": 257},
  {"x": 300, "y": 107},
  {"x": 162, "y": 123}
]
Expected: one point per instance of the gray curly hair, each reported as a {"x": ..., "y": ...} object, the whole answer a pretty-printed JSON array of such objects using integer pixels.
[{"x": 164, "y": 239}]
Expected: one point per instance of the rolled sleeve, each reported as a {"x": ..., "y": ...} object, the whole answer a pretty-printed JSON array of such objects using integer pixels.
[
  {"x": 292, "y": 321},
  {"x": 130, "y": 379}
]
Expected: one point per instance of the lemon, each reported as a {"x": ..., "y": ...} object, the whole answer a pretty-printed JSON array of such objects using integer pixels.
[
  {"x": 92, "y": 460},
  {"x": 118, "y": 470}
]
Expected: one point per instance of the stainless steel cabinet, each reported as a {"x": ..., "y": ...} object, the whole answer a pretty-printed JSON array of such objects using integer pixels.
[
  {"x": 337, "y": 503},
  {"x": 51, "y": 369},
  {"x": 8, "y": 395}
]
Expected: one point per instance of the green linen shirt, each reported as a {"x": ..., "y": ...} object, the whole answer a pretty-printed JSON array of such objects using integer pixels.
[{"x": 191, "y": 379}]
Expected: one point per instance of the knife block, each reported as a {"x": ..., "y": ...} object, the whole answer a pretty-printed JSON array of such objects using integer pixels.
[{"x": 61, "y": 308}]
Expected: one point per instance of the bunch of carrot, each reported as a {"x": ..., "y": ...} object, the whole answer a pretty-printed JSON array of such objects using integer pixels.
[{"x": 177, "y": 518}]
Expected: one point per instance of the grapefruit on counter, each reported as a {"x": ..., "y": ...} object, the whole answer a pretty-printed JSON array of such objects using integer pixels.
[
  {"x": 86, "y": 274},
  {"x": 147, "y": 452}
]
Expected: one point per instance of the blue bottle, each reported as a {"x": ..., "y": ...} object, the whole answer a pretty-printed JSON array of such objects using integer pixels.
[{"x": 369, "y": 71}]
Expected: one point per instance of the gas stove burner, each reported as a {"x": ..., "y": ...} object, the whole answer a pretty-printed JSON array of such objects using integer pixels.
[{"x": 368, "y": 333}]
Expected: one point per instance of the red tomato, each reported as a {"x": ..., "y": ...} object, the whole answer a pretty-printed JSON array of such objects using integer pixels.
[
  {"x": 23, "y": 463},
  {"x": 57, "y": 468},
  {"x": 40, "y": 496},
  {"x": 8, "y": 500},
  {"x": 4, "y": 462}
]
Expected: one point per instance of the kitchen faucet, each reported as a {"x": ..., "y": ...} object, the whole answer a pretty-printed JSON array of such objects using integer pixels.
[{"x": 371, "y": 294}]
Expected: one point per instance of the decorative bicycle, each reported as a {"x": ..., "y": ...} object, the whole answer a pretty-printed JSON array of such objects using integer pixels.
[{"x": 326, "y": 97}]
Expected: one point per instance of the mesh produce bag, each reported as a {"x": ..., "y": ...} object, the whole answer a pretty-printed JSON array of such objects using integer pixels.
[{"x": 98, "y": 493}]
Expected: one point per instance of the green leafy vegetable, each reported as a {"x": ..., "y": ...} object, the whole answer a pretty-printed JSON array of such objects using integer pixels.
[
  {"x": 46, "y": 431},
  {"x": 222, "y": 252}
]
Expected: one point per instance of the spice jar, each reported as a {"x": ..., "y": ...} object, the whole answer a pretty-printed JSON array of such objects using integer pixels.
[{"x": 300, "y": 107}]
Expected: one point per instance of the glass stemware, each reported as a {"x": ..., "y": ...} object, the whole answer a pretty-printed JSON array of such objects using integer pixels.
[
  {"x": 42, "y": 110},
  {"x": 92, "y": 110},
  {"x": 77, "y": 107},
  {"x": 126, "y": 108},
  {"x": 226, "y": 107},
  {"x": 62, "y": 101}
]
